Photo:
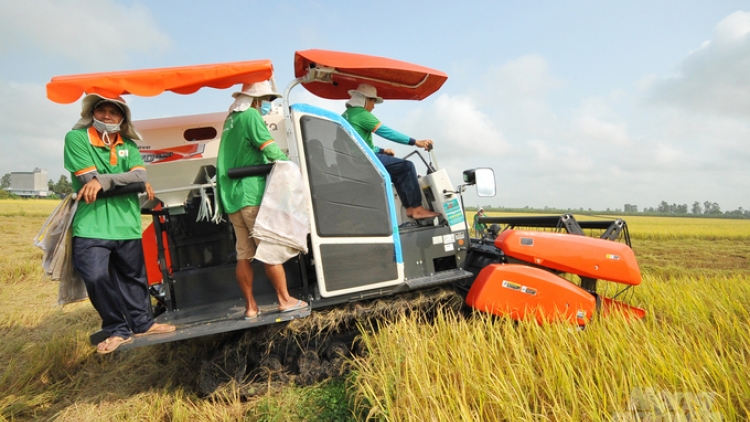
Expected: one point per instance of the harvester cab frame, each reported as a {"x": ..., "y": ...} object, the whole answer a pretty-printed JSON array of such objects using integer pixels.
[{"x": 361, "y": 245}]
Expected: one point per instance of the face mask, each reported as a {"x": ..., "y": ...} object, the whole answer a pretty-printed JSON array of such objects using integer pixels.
[
  {"x": 107, "y": 127},
  {"x": 265, "y": 107}
]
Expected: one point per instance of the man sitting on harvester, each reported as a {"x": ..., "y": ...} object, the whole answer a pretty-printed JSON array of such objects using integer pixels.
[
  {"x": 247, "y": 142},
  {"x": 403, "y": 173}
]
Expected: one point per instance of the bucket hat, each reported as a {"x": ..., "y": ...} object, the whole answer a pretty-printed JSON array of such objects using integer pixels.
[
  {"x": 258, "y": 90},
  {"x": 368, "y": 91},
  {"x": 90, "y": 102}
]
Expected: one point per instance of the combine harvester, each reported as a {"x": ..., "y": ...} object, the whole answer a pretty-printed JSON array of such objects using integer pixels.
[{"x": 362, "y": 244}]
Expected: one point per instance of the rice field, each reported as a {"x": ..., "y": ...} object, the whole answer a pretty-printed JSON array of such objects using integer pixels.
[{"x": 687, "y": 360}]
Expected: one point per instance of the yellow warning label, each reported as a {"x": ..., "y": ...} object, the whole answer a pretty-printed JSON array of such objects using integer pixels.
[{"x": 511, "y": 285}]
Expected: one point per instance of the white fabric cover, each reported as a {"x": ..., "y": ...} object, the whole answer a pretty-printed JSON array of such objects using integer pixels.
[
  {"x": 357, "y": 100},
  {"x": 242, "y": 103},
  {"x": 283, "y": 222}
]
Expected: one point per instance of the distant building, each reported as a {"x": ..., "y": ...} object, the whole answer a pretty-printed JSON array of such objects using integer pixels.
[{"x": 31, "y": 184}]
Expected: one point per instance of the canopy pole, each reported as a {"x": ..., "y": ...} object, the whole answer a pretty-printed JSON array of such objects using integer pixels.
[{"x": 290, "y": 130}]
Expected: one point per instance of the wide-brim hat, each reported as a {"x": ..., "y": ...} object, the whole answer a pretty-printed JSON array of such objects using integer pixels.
[
  {"x": 90, "y": 102},
  {"x": 368, "y": 91},
  {"x": 258, "y": 90}
]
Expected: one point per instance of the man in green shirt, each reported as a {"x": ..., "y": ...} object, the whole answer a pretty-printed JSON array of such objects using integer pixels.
[
  {"x": 403, "y": 174},
  {"x": 479, "y": 228},
  {"x": 107, "y": 250},
  {"x": 245, "y": 142}
]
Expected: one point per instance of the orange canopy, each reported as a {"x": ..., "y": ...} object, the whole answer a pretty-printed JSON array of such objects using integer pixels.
[
  {"x": 394, "y": 79},
  {"x": 151, "y": 82}
]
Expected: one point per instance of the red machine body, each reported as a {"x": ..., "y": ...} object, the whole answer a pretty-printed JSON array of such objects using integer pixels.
[
  {"x": 524, "y": 292},
  {"x": 535, "y": 291},
  {"x": 581, "y": 255}
]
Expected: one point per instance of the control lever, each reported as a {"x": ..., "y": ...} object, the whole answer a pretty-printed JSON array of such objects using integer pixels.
[{"x": 433, "y": 160}]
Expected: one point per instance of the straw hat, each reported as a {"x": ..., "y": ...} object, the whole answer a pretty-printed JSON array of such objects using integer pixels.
[
  {"x": 257, "y": 90},
  {"x": 367, "y": 91},
  {"x": 90, "y": 102}
]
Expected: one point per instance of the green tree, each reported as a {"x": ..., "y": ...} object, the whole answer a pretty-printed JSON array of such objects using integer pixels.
[
  {"x": 63, "y": 186},
  {"x": 5, "y": 182},
  {"x": 711, "y": 208},
  {"x": 51, "y": 185}
]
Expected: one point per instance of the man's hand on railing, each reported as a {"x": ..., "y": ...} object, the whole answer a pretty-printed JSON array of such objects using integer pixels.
[
  {"x": 149, "y": 191},
  {"x": 89, "y": 191}
]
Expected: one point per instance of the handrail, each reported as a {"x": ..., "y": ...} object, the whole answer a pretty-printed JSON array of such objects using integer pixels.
[{"x": 136, "y": 187}]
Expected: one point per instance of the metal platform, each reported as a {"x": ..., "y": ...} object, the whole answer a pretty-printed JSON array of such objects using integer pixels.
[
  {"x": 210, "y": 319},
  {"x": 437, "y": 279}
]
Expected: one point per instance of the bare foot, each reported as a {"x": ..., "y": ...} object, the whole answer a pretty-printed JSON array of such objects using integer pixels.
[{"x": 420, "y": 212}]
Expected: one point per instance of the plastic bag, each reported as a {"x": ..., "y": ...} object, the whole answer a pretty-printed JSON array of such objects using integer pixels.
[{"x": 55, "y": 238}]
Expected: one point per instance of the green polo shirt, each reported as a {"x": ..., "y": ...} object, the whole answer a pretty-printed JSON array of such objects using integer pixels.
[
  {"x": 115, "y": 218},
  {"x": 245, "y": 142},
  {"x": 364, "y": 122}
]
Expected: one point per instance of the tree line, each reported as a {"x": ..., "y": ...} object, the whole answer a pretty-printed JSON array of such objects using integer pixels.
[
  {"x": 697, "y": 209},
  {"x": 707, "y": 208}
]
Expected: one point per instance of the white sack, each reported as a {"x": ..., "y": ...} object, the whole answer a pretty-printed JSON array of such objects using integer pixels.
[{"x": 283, "y": 222}]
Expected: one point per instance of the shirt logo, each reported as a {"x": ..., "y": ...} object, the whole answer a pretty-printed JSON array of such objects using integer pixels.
[
  {"x": 228, "y": 124},
  {"x": 122, "y": 153}
]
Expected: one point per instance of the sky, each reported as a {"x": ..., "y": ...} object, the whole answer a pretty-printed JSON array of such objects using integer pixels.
[{"x": 573, "y": 104}]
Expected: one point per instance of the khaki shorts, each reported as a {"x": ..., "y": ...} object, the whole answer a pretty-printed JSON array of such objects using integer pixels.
[{"x": 243, "y": 222}]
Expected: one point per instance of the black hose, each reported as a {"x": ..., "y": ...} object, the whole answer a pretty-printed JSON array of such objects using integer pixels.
[
  {"x": 136, "y": 187},
  {"x": 241, "y": 172}
]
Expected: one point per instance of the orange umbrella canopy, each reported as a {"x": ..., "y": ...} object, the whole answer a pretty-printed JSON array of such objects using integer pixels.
[
  {"x": 394, "y": 79},
  {"x": 151, "y": 82}
]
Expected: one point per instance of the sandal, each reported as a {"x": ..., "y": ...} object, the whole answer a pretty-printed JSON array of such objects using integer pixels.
[
  {"x": 252, "y": 317},
  {"x": 157, "y": 328},
  {"x": 111, "y": 344},
  {"x": 299, "y": 305}
]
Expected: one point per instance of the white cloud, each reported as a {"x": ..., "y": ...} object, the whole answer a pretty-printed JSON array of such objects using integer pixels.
[
  {"x": 601, "y": 133},
  {"x": 100, "y": 34},
  {"x": 609, "y": 150},
  {"x": 464, "y": 136},
  {"x": 459, "y": 122},
  {"x": 33, "y": 129},
  {"x": 516, "y": 97},
  {"x": 733, "y": 28},
  {"x": 525, "y": 78},
  {"x": 715, "y": 78},
  {"x": 558, "y": 160}
]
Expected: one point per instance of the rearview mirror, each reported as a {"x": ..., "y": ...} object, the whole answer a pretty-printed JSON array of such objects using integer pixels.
[{"x": 484, "y": 178}]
